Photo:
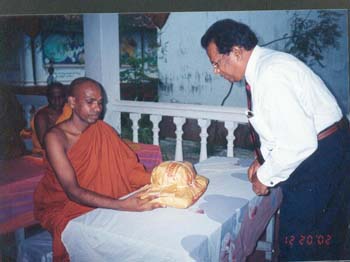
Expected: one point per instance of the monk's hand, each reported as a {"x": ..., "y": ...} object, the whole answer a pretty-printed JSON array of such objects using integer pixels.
[
  {"x": 259, "y": 188},
  {"x": 138, "y": 202},
  {"x": 252, "y": 169}
]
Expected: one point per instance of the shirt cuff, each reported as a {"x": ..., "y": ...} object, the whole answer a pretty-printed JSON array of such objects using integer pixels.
[{"x": 264, "y": 175}]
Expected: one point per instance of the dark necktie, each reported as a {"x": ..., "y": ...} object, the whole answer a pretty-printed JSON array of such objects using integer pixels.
[{"x": 253, "y": 134}]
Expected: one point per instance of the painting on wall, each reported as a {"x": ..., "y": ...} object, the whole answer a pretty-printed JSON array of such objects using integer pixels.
[
  {"x": 59, "y": 48},
  {"x": 62, "y": 40}
]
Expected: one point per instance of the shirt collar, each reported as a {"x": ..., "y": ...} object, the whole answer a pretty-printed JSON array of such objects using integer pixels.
[{"x": 251, "y": 65}]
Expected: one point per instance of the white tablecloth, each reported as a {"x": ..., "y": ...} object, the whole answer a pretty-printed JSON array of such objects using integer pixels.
[{"x": 210, "y": 230}]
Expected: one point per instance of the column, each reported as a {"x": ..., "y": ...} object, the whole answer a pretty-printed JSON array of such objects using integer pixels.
[
  {"x": 28, "y": 77},
  {"x": 101, "y": 45},
  {"x": 40, "y": 71}
]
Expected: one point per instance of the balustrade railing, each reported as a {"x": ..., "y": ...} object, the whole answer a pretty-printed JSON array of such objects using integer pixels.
[{"x": 231, "y": 116}]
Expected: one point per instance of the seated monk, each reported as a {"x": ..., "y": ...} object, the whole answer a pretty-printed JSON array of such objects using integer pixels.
[
  {"x": 55, "y": 112},
  {"x": 89, "y": 166}
]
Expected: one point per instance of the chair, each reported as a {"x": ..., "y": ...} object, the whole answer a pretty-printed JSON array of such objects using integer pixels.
[
  {"x": 35, "y": 248},
  {"x": 267, "y": 245}
]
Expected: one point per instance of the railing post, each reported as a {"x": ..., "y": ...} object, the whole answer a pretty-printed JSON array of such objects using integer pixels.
[
  {"x": 135, "y": 126},
  {"x": 155, "y": 121},
  {"x": 230, "y": 126},
  {"x": 203, "y": 123},
  {"x": 27, "y": 114},
  {"x": 179, "y": 121}
]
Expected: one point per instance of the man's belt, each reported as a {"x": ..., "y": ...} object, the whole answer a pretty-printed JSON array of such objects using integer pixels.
[{"x": 341, "y": 124}]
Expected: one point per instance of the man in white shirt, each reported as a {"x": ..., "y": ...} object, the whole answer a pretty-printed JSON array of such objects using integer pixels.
[{"x": 303, "y": 146}]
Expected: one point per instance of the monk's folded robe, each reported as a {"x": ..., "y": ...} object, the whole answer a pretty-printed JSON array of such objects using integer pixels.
[
  {"x": 103, "y": 163},
  {"x": 66, "y": 113},
  {"x": 176, "y": 183}
]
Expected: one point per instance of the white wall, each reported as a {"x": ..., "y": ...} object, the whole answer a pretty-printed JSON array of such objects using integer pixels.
[{"x": 186, "y": 72}]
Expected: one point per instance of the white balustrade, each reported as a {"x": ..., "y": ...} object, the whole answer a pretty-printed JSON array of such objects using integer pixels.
[
  {"x": 155, "y": 119},
  {"x": 179, "y": 121},
  {"x": 230, "y": 126},
  {"x": 135, "y": 117},
  {"x": 231, "y": 116},
  {"x": 203, "y": 123}
]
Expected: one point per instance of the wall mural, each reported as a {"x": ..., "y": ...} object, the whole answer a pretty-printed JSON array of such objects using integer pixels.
[
  {"x": 63, "y": 48},
  {"x": 62, "y": 40}
]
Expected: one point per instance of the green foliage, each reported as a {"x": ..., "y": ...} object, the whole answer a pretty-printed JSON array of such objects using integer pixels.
[
  {"x": 145, "y": 132},
  {"x": 126, "y": 124},
  {"x": 310, "y": 37},
  {"x": 135, "y": 72},
  {"x": 139, "y": 61},
  {"x": 138, "y": 48}
]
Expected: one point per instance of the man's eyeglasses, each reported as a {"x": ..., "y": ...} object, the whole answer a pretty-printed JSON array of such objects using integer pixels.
[{"x": 217, "y": 63}]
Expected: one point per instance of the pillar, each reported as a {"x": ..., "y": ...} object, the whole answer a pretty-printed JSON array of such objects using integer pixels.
[{"x": 101, "y": 44}]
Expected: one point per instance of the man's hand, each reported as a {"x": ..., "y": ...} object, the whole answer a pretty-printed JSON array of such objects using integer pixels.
[
  {"x": 252, "y": 169},
  {"x": 259, "y": 188},
  {"x": 136, "y": 203}
]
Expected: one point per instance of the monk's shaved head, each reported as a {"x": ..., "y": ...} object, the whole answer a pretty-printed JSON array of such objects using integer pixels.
[
  {"x": 55, "y": 87},
  {"x": 77, "y": 83}
]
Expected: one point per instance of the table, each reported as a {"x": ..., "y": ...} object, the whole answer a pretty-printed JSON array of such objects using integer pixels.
[
  {"x": 18, "y": 179},
  {"x": 225, "y": 222}
]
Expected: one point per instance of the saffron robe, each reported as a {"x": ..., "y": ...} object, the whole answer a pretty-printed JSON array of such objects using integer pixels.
[
  {"x": 66, "y": 113},
  {"x": 103, "y": 163}
]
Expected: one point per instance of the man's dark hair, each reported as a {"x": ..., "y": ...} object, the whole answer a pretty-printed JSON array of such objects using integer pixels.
[
  {"x": 228, "y": 33},
  {"x": 80, "y": 80},
  {"x": 54, "y": 85}
]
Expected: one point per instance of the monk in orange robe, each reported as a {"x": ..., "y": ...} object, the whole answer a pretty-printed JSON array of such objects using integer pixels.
[
  {"x": 88, "y": 166},
  {"x": 46, "y": 117}
]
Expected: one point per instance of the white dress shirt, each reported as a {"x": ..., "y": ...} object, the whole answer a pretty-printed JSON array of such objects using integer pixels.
[{"x": 291, "y": 105}]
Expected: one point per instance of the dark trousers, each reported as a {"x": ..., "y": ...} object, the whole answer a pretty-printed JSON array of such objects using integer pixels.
[{"x": 313, "y": 214}]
